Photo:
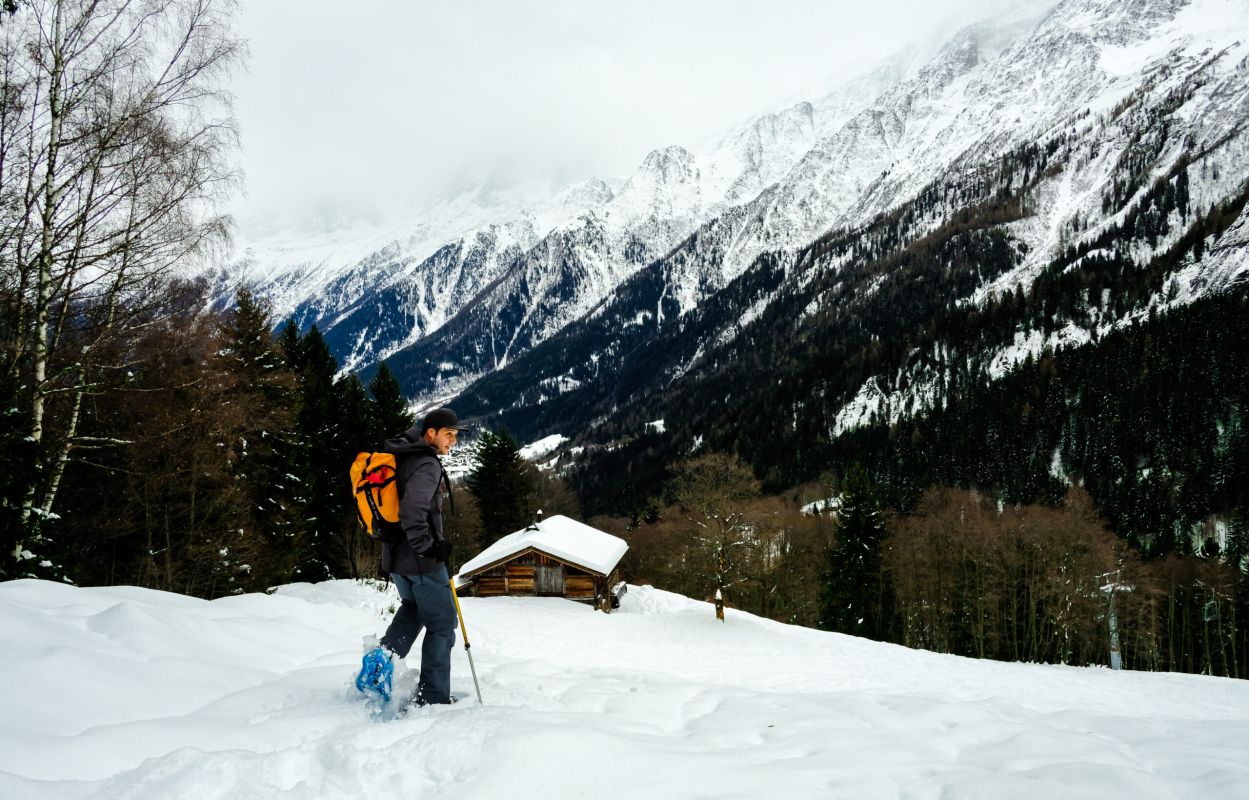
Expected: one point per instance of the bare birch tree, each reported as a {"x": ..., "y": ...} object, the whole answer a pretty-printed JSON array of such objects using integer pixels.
[{"x": 115, "y": 145}]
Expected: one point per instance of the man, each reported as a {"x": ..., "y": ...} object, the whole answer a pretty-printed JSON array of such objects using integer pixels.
[{"x": 418, "y": 566}]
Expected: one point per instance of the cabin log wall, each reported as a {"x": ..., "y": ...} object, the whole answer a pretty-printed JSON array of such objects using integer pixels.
[{"x": 519, "y": 577}]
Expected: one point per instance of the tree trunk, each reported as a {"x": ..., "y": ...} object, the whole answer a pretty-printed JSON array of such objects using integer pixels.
[
  {"x": 44, "y": 280},
  {"x": 62, "y": 458}
]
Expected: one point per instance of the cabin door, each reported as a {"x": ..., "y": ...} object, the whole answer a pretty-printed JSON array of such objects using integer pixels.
[{"x": 549, "y": 579}]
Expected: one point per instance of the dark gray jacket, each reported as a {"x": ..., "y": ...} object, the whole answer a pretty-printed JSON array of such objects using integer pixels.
[{"x": 420, "y": 504}]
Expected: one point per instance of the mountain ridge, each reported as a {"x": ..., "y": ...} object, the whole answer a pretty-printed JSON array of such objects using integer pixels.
[{"x": 1040, "y": 146}]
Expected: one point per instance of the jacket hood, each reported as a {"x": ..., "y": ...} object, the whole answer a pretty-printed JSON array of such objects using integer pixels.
[{"x": 410, "y": 443}]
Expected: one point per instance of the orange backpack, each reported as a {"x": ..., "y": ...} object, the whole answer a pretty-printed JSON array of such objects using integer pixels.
[{"x": 376, "y": 484}]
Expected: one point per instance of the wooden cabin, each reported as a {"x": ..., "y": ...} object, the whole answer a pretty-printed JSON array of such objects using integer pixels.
[{"x": 556, "y": 557}]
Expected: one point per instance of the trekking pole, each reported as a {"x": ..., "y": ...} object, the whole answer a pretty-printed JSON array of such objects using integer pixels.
[{"x": 452, "y": 582}]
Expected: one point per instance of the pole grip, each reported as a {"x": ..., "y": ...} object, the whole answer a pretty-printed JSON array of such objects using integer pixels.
[{"x": 459, "y": 614}]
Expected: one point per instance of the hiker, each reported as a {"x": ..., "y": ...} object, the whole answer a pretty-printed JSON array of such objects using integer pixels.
[{"x": 418, "y": 565}]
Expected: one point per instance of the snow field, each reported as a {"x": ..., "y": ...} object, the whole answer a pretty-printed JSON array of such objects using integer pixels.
[{"x": 128, "y": 693}]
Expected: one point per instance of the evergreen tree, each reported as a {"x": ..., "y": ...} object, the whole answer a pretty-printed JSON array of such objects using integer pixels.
[
  {"x": 356, "y": 419},
  {"x": 502, "y": 485},
  {"x": 357, "y": 424},
  {"x": 289, "y": 344},
  {"x": 854, "y": 592},
  {"x": 391, "y": 413},
  {"x": 324, "y": 462},
  {"x": 248, "y": 342},
  {"x": 262, "y": 389}
]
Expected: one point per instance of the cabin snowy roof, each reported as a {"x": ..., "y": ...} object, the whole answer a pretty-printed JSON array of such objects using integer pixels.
[{"x": 561, "y": 537}]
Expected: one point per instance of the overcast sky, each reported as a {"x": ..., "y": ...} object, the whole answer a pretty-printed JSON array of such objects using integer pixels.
[{"x": 391, "y": 103}]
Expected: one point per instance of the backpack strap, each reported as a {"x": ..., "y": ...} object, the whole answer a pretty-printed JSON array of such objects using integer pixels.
[
  {"x": 451, "y": 498},
  {"x": 373, "y": 506},
  {"x": 399, "y": 460},
  {"x": 445, "y": 480}
]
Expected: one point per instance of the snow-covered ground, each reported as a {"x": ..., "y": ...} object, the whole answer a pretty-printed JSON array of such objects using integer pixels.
[{"x": 124, "y": 692}]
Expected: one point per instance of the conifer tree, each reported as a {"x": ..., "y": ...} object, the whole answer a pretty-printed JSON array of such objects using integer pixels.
[
  {"x": 502, "y": 484},
  {"x": 390, "y": 408},
  {"x": 356, "y": 419},
  {"x": 357, "y": 424},
  {"x": 248, "y": 341},
  {"x": 289, "y": 344},
  {"x": 854, "y": 593},
  {"x": 262, "y": 389},
  {"x": 323, "y": 461}
]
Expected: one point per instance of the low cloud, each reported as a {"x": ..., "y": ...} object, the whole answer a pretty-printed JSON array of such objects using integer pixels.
[{"x": 365, "y": 108}]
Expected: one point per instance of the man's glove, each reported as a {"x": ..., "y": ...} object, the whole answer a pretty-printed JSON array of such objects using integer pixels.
[{"x": 439, "y": 551}]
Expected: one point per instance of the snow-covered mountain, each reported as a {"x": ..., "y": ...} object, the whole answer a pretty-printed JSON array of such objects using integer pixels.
[
  {"x": 512, "y": 266},
  {"x": 997, "y": 85},
  {"x": 1111, "y": 100},
  {"x": 1133, "y": 87},
  {"x": 133, "y": 693},
  {"x": 402, "y": 282}
]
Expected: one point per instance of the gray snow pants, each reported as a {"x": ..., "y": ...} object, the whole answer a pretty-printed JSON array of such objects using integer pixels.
[{"x": 427, "y": 603}]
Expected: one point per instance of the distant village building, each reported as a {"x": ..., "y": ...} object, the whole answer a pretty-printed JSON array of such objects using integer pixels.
[
  {"x": 828, "y": 506},
  {"x": 556, "y": 557}
]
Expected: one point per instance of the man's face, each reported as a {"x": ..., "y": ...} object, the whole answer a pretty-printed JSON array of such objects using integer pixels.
[{"x": 441, "y": 439}]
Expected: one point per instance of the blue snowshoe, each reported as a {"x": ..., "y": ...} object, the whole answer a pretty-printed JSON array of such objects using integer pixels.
[{"x": 376, "y": 673}]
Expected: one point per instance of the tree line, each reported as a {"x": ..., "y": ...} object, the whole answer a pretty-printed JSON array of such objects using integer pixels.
[
  {"x": 960, "y": 572},
  {"x": 220, "y": 467},
  {"x": 223, "y": 463}
]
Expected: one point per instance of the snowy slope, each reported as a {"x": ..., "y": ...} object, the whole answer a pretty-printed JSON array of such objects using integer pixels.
[
  {"x": 134, "y": 693},
  {"x": 1134, "y": 93}
]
